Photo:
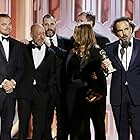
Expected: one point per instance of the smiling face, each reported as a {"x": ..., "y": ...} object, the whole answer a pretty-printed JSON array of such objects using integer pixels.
[
  {"x": 123, "y": 30},
  {"x": 38, "y": 34},
  {"x": 5, "y": 25}
]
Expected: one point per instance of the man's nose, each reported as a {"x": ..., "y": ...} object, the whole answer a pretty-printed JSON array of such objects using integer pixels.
[
  {"x": 49, "y": 27},
  {"x": 124, "y": 33}
]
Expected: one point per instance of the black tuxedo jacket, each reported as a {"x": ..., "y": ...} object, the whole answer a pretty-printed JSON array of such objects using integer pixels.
[
  {"x": 119, "y": 77},
  {"x": 44, "y": 74},
  {"x": 64, "y": 43},
  {"x": 61, "y": 51},
  {"x": 101, "y": 40},
  {"x": 13, "y": 68}
]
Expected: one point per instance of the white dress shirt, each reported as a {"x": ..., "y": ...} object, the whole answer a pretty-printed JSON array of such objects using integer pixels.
[
  {"x": 38, "y": 55},
  {"x": 54, "y": 40},
  {"x": 5, "y": 45},
  {"x": 127, "y": 55}
]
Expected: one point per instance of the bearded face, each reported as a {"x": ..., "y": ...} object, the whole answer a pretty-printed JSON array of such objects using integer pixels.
[{"x": 50, "y": 26}]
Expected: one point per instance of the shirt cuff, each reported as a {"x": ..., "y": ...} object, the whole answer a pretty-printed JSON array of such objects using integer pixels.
[{"x": 14, "y": 83}]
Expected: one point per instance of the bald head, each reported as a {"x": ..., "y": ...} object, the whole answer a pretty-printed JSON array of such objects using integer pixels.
[{"x": 38, "y": 33}]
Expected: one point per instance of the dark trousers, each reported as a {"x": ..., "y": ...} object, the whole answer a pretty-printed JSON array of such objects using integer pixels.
[
  {"x": 7, "y": 112},
  {"x": 80, "y": 126},
  {"x": 96, "y": 112},
  {"x": 56, "y": 102},
  {"x": 37, "y": 107},
  {"x": 127, "y": 116},
  {"x": 78, "y": 129},
  {"x": 80, "y": 121}
]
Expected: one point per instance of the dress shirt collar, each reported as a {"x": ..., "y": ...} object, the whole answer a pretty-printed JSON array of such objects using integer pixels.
[
  {"x": 131, "y": 42},
  {"x": 127, "y": 54},
  {"x": 54, "y": 39},
  {"x": 34, "y": 45}
]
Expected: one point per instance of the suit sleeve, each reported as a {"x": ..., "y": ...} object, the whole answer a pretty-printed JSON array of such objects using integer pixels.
[{"x": 19, "y": 65}]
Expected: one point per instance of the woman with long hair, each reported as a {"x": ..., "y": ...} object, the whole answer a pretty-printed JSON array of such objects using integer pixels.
[{"x": 84, "y": 73}]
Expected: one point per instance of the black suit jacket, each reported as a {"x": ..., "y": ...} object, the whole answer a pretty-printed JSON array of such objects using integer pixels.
[
  {"x": 44, "y": 74},
  {"x": 61, "y": 51},
  {"x": 64, "y": 43},
  {"x": 119, "y": 77},
  {"x": 13, "y": 69},
  {"x": 101, "y": 40}
]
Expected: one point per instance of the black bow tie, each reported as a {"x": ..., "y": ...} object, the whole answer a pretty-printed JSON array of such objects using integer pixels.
[
  {"x": 6, "y": 38},
  {"x": 126, "y": 44},
  {"x": 36, "y": 46}
]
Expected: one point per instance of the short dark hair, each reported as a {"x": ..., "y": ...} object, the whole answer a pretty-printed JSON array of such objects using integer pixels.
[
  {"x": 5, "y": 15},
  {"x": 89, "y": 16},
  {"x": 127, "y": 19},
  {"x": 47, "y": 16}
]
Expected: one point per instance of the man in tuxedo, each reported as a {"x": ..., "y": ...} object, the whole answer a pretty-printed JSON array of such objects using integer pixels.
[
  {"x": 50, "y": 24},
  {"x": 124, "y": 92},
  {"x": 99, "y": 107},
  {"x": 90, "y": 18},
  {"x": 38, "y": 84},
  {"x": 61, "y": 46},
  {"x": 11, "y": 71}
]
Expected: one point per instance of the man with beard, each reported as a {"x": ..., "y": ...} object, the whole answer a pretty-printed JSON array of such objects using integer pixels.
[
  {"x": 124, "y": 54},
  {"x": 61, "y": 47},
  {"x": 50, "y": 23}
]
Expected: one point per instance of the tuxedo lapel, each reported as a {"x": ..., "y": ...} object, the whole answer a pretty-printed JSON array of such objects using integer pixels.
[
  {"x": 30, "y": 55},
  {"x": 11, "y": 46},
  {"x": 2, "y": 51},
  {"x": 134, "y": 52},
  {"x": 44, "y": 59},
  {"x": 60, "y": 42},
  {"x": 115, "y": 52}
]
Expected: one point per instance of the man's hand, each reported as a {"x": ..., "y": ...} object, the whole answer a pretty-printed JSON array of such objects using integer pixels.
[
  {"x": 94, "y": 76},
  {"x": 8, "y": 86},
  {"x": 105, "y": 64},
  {"x": 25, "y": 41}
]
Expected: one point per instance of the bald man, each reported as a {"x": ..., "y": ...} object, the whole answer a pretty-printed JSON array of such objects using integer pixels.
[{"x": 37, "y": 84}]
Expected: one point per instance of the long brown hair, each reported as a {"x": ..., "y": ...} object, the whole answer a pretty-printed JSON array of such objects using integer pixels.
[{"x": 84, "y": 38}]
